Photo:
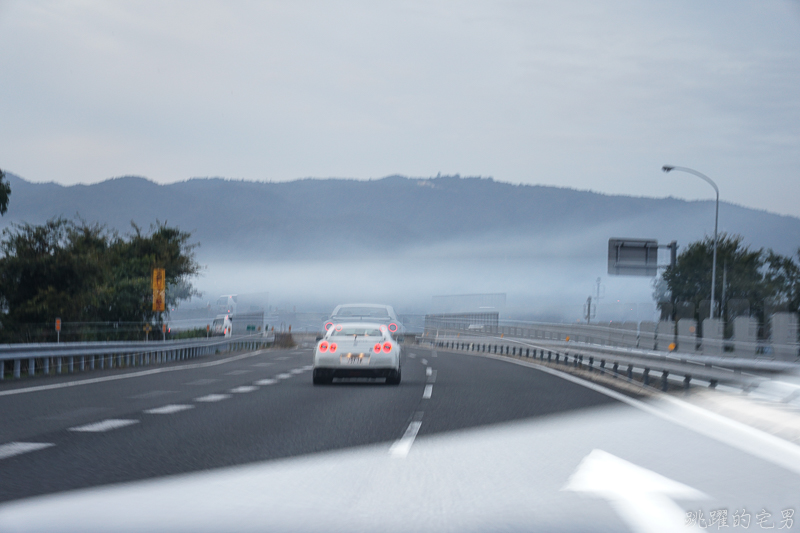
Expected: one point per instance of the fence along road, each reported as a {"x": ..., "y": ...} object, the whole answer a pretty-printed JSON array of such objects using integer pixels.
[{"x": 57, "y": 358}]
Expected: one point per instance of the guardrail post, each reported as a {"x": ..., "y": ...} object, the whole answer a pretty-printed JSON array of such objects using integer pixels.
[
  {"x": 602, "y": 365},
  {"x": 687, "y": 379},
  {"x": 17, "y": 365},
  {"x": 664, "y": 382},
  {"x": 549, "y": 355},
  {"x": 646, "y": 376},
  {"x": 591, "y": 363},
  {"x": 91, "y": 362},
  {"x": 46, "y": 365},
  {"x": 102, "y": 361},
  {"x": 31, "y": 366},
  {"x": 713, "y": 384},
  {"x": 630, "y": 372},
  {"x": 2, "y": 370},
  {"x": 558, "y": 355},
  {"x": 616, "y": 369}
]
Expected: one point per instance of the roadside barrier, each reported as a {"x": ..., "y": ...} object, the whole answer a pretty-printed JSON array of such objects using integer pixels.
[{"x": 56, "y": 358}]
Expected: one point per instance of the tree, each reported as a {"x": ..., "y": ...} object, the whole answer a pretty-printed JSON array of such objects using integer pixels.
[
  {"x": 782, "y": 277},
  {"x": 765, "y": 279},
  {"x": 84, "y": 273},
  {"x": 5, "y": 192}
]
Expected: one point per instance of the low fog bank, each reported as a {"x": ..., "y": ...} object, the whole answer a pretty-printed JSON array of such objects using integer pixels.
[{"x": 544, "y": 279}]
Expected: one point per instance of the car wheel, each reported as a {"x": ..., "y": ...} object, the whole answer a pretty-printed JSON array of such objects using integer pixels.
[
  {"x": 394, "y": 379},
  {"x": 321, "y": 380}
]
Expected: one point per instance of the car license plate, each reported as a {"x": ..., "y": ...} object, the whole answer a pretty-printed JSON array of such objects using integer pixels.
[{"x": 354, "y": 359}]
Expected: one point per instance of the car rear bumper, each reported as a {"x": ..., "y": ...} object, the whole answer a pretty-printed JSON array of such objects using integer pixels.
[{"x": 350, "y": 372}]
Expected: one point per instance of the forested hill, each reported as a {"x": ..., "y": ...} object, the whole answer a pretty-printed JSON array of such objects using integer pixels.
[{"x": 309, "y": 217}]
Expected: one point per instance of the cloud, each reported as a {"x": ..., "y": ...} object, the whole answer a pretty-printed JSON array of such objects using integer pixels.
[{"x": 582, "y": 94}]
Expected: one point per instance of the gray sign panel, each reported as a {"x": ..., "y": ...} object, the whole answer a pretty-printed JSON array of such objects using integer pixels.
[{"x": 632, "y": 257}]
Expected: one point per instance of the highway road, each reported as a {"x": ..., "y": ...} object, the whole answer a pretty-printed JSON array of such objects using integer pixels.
[{"x": 467, "y": 442}]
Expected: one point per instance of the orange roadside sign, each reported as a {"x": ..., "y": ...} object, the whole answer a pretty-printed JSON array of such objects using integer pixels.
[
  {"x": 58, "y": 324},
  {"x": 158, "y": 300},
  {"x": 159, "y": 279}
]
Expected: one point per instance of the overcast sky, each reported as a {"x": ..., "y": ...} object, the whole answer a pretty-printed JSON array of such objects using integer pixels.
[{"x": 585, "y": 94}]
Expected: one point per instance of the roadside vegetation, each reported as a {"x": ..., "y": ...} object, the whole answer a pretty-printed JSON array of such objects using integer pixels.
[
  {"x": 96, "y": 281},
  {"x": 748, "y": 282}
]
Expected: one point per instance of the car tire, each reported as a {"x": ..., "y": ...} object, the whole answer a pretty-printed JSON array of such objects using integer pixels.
[
  {"x": 321, "y": 380},
  {"x": 394, "y": 379}
]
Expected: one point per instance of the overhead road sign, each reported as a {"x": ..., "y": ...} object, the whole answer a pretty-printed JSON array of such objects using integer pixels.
[{"x": 633, "y": 257}]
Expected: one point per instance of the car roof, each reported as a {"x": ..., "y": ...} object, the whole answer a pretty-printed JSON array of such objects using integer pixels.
[{"x": 389, "y": 308}]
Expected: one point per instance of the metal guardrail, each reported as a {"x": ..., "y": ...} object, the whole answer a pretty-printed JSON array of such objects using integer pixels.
[
  {"x": 625, "y": 335},
  {"x": 48, "y": 358},
  {"x": 746, "y": 374}
]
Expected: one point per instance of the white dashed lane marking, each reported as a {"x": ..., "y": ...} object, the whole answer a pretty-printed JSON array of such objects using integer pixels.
[
  {"x": 428, "y": 371},
  {"x": 298, "y": 370},
  {"x": 212, "y": 398},
  {"x": 432, "y": 376},
  {"x": 169, "y": 409},
  {"x": 401, "y": 447},
  {"x": 105, "y": 425},
  {"x": 18, "y": 448},
  {"x": 283, "y": 376},
  {"x": 243, "y": 389},
  {"x": 262, "y": 364},
  {"x": 412, "y": 355},
  {"x": 424, "y": 361},
  {"x": 237, "y": 372},
  {"x": 428, "y": 391},
  {"x": 266, "y": 382},
  {"x": 308, "y": 367}
]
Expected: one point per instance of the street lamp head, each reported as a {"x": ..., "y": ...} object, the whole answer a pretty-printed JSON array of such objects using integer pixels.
[{"x": 667, "y": 168}]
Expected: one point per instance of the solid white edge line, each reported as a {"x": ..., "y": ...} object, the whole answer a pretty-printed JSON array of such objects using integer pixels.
[
  {"x": 18, "y": 448},
  {"x": 401, "y": 447},
  {"x": 759, "y": 443},
  {"x": 130, "y": 375},
  {"x": 428, "y": 391}
]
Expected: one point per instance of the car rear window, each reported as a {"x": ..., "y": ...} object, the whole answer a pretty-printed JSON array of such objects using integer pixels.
[
  {"x": 349, "y": 332},
  {"x": 373, "y": 312}
]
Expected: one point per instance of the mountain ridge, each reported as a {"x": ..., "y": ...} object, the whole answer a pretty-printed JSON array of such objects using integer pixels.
[{"x": 296, "y": 218}]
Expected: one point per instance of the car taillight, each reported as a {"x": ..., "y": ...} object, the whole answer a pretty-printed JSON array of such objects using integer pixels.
[
  {"x": 393, "y": 327},
  {"x": 377, "y": 348},
  {"x": 328, "y": 325},
  {"x": 387, "y": 347},
  {"x": 323, "y": 346},
  {"x": 333, "y": 347}
]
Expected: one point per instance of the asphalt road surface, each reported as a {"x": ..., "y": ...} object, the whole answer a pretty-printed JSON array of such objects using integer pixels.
[{"x": 464, "y": 443}]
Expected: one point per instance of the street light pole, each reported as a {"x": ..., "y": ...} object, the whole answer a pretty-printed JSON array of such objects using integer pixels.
[{"x": 669, "y": 168}]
